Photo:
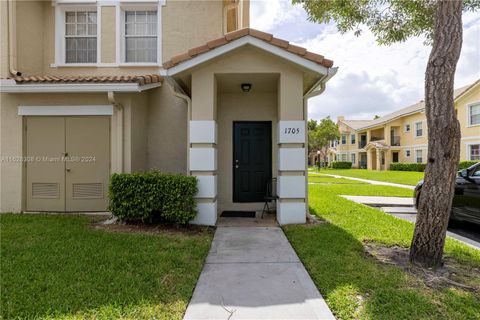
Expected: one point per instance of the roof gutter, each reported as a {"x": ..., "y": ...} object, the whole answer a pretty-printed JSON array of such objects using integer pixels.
[
  {"x": 12, "y": 36},
  {"x": 9, "y": 85}
]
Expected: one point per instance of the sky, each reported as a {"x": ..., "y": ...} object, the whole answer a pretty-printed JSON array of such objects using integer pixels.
[{"x": 371, "y": 79}]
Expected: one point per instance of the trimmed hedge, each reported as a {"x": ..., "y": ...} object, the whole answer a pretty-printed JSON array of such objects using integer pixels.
[
  {"x": 341, "y": 165},
  {"x": 140, "y": 196},
  {"x": 465, "y": 164},
  {"x": 420, "y": 167}
]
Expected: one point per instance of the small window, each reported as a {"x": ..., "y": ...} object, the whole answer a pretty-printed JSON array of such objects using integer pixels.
[
  {"x": 418, "y": 129},
  {"x": 80, "y": 37},
  {"x": 344, "y": 139},
  {"x": 407, "y": 153},
  {"x": 141, "y": 36},
  {"x": 344, "y": 157},
  {"x": 474, "y": 152},
  {"x": 352, "y": 158},
  {"x": 407, "y": 128},
  {"x": 419, "y": 156},
  {"x": 474, "y": 115},
  {"x": 352, "y": 138}
]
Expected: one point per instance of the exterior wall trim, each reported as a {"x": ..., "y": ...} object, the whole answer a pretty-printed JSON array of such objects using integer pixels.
[
  {"x": 91, "y": 110},
  {"x": 239, "y": 43},
  {"x": 11, "y": 86}
]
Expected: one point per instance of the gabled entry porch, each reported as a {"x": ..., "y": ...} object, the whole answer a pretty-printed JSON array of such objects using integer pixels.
[{"x": 247, "y": 121}]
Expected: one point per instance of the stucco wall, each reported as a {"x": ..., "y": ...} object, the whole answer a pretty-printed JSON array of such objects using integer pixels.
[
  {"x": 167, "y": 131},
  {"x": 185, "y": 24},
  {"x": 237, "y": 107}
]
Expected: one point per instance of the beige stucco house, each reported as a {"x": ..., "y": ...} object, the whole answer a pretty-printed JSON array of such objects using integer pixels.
[
  {"x": 401, "y": 136},
  {"x": 93, "y": 87}
]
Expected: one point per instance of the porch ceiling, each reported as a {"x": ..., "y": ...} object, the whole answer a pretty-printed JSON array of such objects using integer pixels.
[{"x": 261, "y": 82}]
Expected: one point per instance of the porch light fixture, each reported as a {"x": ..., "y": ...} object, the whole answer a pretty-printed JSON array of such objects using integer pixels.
[{"x": 246, "y": 87}]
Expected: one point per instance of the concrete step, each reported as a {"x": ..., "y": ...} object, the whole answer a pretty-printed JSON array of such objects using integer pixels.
[
  {"x": 382, "y": 201},
  {"x": 407, "y": 210}
]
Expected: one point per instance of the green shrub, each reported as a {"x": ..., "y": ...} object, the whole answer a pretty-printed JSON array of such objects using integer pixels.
[
  {"x": 341, "y": 165},
  {"x": 139, "y": 196},
  {"x": 420, "y": 167},
  {"x": 465, "y": 164}
]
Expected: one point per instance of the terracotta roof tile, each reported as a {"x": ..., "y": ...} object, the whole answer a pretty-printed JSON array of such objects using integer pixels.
[
  {"x": 279, "y": 43},
  {"x": 297, "y": 50},
  {"x": 198, "y": 50},
  {"x": 232, "y": 36},
  {"x": 140, "y": 79},
  {"x": 216, "y": 43}
]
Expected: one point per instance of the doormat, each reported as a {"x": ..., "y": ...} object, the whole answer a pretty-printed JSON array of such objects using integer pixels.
[{"x": 238, "y": 214}]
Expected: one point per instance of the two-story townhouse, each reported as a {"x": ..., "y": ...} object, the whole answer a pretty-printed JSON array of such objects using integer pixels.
[
  {"x": 94, "y": 87},
  {"x": 401, "y": 136}
]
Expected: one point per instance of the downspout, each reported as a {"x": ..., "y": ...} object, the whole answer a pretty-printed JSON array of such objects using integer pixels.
[
  {"x": 12, "y": 37},
  {"x": 317, "y": 89},
  {"x": 188, "y": 100},
  {"x": 119, "y": 108}
]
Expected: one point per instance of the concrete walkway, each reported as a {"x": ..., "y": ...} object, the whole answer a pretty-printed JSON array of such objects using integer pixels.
[
  {"x": 403, "y": 208},
  {"x": 254, "y": 273},
  {"x": 380, "y": 183}
]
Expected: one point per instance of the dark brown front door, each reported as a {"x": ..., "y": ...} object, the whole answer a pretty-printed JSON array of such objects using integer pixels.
[{"x": 252, "y": 160}]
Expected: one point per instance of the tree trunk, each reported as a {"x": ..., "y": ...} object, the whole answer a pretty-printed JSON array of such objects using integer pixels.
[{"x": 443, "y": 137}]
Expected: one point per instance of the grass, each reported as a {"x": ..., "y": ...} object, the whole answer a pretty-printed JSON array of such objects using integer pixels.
[
  {"x": 357, "y": 286},
  {"x": 401, "y": 177},
  {"x": 60, "y": 267}
]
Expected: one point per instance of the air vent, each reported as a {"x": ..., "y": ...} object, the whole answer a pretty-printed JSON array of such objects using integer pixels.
[
  {"x": 45, "y": 190},
  {"x": 87, "y": 191}
]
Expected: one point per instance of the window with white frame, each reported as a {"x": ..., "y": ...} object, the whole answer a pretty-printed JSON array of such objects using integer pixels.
[
  {"x": 352, "y": 138},
  {"x": 407, "y": 153},
  {"x": 141, "y": 36},
  {"x": 419, "y": 156},
  {"x": 352, "y": 158},
  {"x": 344, "y": 139},
  {"x": 80, "y": 37},
  {"x": 418, "y": 129},
  {"x": 344, "y": 157},
  {"x": 474, "y": 115},
  {"x": 474, "y": 152},
  {"x": 407, "y": 128}
]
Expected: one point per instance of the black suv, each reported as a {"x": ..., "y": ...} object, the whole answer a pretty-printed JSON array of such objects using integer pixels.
[{"x": 466, "y": 201}]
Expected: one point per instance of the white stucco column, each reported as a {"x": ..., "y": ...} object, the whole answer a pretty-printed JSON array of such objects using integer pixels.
[{"x": 203, "y": 147}]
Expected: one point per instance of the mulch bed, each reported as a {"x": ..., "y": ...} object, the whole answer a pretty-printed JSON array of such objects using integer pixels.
[
  {"x": 154, "y": 228},
  {"x": 451, "y": 274}
]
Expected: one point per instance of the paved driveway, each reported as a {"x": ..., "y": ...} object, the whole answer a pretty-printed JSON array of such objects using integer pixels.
[{"x": 254, "y": 273}]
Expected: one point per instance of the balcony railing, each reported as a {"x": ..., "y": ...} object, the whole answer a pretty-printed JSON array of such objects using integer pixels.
[
  {"x": 362, "y": 144},
  {"x": 395, "y": 141},
  {"x": 373, "y": 138}
]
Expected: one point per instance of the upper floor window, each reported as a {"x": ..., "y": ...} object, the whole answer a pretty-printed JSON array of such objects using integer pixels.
[
  {"x": 419, "y": 156},
  {"x": 407, "y": 153},
  {"x": 418, "y": 129},
  {"x": 407, "y": 128},
  {"x": 352, "y": 138},
  {"x": 80, "y": 37},
  {"x": 344, "y": 139},
  {"x": 474, "y": 152},
  {"x": 141, "y": 36},
  {"x": 474, "y": 115}
]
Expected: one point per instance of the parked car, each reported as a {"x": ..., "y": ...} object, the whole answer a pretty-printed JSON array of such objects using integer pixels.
[{"x": 466, "y": 201}]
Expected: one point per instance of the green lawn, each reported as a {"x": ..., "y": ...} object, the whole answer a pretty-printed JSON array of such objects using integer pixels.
[
  {"x": 401, "y": 177},
  {"x": 356, "y": 286},
  {"x": 60, "y": 267}
]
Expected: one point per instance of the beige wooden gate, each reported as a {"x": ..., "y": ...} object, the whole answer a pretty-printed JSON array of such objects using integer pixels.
[{"x": 68, "y": 163}]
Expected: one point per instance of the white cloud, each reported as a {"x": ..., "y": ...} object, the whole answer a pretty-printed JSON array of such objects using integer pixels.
[{"x": 371, "y": 79}]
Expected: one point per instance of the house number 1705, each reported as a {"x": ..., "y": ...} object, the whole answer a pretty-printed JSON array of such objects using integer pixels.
[{"x": 292, "y": 130}]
